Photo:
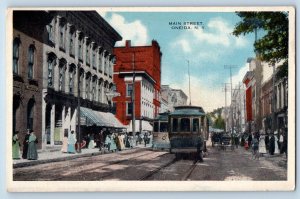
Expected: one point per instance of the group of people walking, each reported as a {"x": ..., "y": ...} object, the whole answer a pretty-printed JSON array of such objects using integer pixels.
[
  {"x": 260, "y": 143},
  {"x": 29, "y": 150}
]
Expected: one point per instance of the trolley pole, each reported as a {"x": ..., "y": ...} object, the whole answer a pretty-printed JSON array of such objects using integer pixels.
[{"x": 189, "y": 82}]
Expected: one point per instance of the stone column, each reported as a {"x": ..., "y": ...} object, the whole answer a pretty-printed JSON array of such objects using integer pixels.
[
  {"x": 67, "y": 78},
  {"x": 63, "y": 122},
  {"x": 52, "y": 125},
  {"x": 76, "y": 45},
  {"x": 57, "y": 35}
]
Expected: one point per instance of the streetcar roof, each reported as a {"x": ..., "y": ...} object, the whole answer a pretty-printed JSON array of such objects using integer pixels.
[
  {"x": 162, "y": 117},
  {"x": 188, "y": 111}
]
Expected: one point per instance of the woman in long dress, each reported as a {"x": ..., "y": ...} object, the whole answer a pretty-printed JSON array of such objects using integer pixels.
[
  {"x": 32, "y": 149},
  {"x": 64, "y": 147},
  {"x": 91, "y": 142},
  {"x": 71, "y": 142},
  {"x": 25, "y": 144},
  {"x": 262, "y": 144},
  {"x": 276, "y": 143},
  {"x": 15, "y": 146}
]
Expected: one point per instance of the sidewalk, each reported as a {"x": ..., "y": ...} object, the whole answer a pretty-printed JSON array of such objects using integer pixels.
[{"x": 55, "y": 155}]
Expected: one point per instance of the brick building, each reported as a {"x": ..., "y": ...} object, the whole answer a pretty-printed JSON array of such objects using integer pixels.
[
  {"x": 144, "y": 63},
  {"x": 27, "y": 73}
]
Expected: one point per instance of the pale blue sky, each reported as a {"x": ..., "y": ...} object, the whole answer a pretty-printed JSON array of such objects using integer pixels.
[{"x": 207, "y": 50}]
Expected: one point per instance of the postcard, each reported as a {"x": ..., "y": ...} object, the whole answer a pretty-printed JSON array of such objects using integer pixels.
[{"x": 151, "y": 99}]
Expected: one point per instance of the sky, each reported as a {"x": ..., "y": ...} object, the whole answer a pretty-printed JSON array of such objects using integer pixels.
[{"x": 206, "y": 48}]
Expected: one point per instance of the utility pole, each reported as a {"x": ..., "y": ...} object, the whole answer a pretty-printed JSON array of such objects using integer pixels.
[
  {"x": 189, "y": 82},
  {"x": 225, "y": 90},
  {"x": 230, "y": 67},
  {"x": 78, "y": 110},
  {"x": 133, "y": 94}
]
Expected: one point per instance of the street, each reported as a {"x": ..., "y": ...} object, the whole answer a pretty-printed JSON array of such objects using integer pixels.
[{"x": 145, "y": 164}]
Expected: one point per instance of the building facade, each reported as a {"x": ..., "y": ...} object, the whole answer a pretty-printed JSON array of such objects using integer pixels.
[
  {"x": 27, "y": 74},
  {"x": 78, "y": 56},
  {"x": 138, "y": 67},
  {"x": 72, "y": 57},
  {"x": 174, "y": 97}
]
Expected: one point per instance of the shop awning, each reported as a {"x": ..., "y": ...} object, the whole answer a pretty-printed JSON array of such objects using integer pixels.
[
  {"x": 146, "y": 126},
  {"x": 110, "y": 119},
  {"x": 91, "y": 117}
]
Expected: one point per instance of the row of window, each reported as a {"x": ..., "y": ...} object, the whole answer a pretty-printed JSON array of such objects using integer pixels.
[
  {"x": 30, "y": 58},
  {"x": 87, "y": 50},
  {"x": 91, "y": 87}
]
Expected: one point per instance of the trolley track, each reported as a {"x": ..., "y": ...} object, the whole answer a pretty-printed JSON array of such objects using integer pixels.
[{"x": 114, "y": 163}]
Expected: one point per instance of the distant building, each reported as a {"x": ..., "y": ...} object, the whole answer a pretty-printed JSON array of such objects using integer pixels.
[
  {"x": 238, "y": 108},
  {"x": 172, "y": 98},
  {"x": 144, "y": 63}
]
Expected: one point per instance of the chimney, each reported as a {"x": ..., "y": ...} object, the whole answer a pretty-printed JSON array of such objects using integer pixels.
[{"x": 128, "y": 43}]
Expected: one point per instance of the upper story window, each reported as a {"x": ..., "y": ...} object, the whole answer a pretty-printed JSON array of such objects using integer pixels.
[
  {"x": 87, "y": 87},
  {"x": 87, "y": 55},
  {"x": 72, "y": 42},
  {"x": 50, "y": 32},
  {"x": 80, "y": 48},
  {"x": 16, "y": 49},
  {"x": 129, "y": 88},
  {"x": 100, "y": 91},
  {"x": 129, "y": 108},
  {"x": 51, "y": 64},
  {"x": 81, "y": 83},
  {"x": 61, "y": 80},
  {"x": 30, "y": 61},
  {"x": 94, "y": 59},
  {"x": 100, "y": 65},
  {"x": 93, "y": 93},
  {"x": 62, "y": 36},
  {"x": 71, "y": 79}
]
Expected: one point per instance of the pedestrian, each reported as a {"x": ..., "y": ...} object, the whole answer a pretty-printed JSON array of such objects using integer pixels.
[
  {"x": 250, "y": 140},
  {"x": 255, "y": 144},
  {"x": 71, "y": 142},
  {"x": 16, "y": 146},
  {"x": 199, "y": 151},
  {"x": 32, "y": 148},
  {"x": 276, "y": 151},
  {"x": 145, "y": 138},
  {"x": 262, "y": 144},
  {"x": 25, "y": 144},
  {"x": 281, "y": 141},
  {"x": 267, "y": 140},
  {"x": 91, "y": 142},
  {"x": 272, "y": 144},
  {"x": 64, "y": 147}
]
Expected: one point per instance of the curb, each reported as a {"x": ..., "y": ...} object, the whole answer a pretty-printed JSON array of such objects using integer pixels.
[{"x": 60, "y": 159}]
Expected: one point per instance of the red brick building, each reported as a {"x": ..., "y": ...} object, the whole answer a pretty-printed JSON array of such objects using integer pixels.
[
  {"x": 248, "y": 81},
  {"x": 143, "y": 62},
  {"x": 27, "y": 73}
]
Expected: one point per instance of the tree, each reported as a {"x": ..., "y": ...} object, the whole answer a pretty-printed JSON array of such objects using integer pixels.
[{"x": 273, "y": 46}]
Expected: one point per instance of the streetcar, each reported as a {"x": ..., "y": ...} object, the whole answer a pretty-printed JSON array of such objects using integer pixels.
[
  {"x": 160, "y": 132},
  {"x": 188, "y": 131}
]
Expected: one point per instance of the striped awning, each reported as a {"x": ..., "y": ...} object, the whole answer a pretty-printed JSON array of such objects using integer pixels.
[{"x": 91, "y": 117}]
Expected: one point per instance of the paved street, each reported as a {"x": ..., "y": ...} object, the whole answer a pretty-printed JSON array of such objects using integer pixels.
[{"x": 145, "y": 164}]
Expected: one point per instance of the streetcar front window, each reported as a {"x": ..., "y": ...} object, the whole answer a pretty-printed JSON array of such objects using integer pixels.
[
  {"x": 185, "y": 125},
  {"x": 196, "y": 125},
  {"x": 163, "y": 127},
  {"x": 155, "y": 128},
  {"x": 175, "y": 125}
]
